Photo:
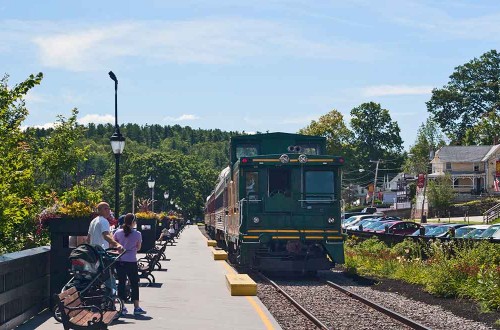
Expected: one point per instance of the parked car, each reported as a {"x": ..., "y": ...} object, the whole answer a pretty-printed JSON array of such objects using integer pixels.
[
  {"x": 427, "y": 226},
  {"x": 492, "y": 232},
  {"x": 380, "y": 228},
  {"x": 400, "y": 228},
  {"x": 347, "y": 215},
  {"x": 355, "y": 219},
  {"x": 462, "y": 231},
  {"x": 376, "y": 224},
  {"x": 444, "y": 230},
  {"x": 476, "y": 233}
]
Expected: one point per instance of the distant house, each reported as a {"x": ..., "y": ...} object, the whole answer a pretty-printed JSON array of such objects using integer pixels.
[{"x": 473, "y": 169}]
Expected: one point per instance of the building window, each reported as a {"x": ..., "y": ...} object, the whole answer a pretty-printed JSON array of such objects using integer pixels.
[
  {"x": 448, "y": 166},
  {"x": 476, "y": 168}
]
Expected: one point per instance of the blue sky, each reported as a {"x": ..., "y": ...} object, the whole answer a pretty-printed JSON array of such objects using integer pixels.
[{"x": 260, "y": 65}]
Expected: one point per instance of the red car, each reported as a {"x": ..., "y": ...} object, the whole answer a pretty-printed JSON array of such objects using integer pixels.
[{"x": 399, "y": 228}]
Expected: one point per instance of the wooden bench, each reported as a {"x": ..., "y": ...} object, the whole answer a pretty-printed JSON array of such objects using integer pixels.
[
  {"x": 76, "y": 315},
  {"x": 147, "y": 265}
]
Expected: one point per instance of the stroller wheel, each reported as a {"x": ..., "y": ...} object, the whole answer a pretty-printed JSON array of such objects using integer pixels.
[
  {"x": 56, "y": 313},
  {"x": 158, "y": 264},
  {"x": 151, "y": 278},
  {"x": 114, "y": 303},
  {"x": 163, "y": 256}
]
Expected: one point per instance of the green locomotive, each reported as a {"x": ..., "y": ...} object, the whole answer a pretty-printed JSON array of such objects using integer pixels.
[{"x": 277, "y": 205}]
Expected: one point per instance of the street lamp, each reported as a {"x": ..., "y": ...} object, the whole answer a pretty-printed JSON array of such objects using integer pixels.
[
  {"x": 117, "y": 141},
  {"x": 165, "y": 195},
  {"x": 151, "y": 185}
]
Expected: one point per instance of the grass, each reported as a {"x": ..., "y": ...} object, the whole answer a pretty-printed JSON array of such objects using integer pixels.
[{"x": 447, "y": 269}]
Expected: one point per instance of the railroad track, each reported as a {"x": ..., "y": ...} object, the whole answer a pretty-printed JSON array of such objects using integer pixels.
[{"x": 321, "y": 321}]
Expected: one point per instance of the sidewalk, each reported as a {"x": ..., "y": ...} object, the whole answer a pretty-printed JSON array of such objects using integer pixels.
[{"x": 191, "y": 294}]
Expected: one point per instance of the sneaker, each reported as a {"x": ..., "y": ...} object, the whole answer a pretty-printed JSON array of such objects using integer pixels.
[
  {"x": 124, "y": 310},
  {"x": 139, "y": 311}
]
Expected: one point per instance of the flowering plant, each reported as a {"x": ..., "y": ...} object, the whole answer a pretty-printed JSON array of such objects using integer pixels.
[{"x": 146, "y": 215}]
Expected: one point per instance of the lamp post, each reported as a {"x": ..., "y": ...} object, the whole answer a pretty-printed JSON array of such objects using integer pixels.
[
  {"x": 117, "y": 141},
  {"x": 165, "y": 195},
  {"x": 151, "y": 185}
]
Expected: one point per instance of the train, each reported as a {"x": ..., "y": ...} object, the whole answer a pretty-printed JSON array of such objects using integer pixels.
[{"x": 277, "y": 206}]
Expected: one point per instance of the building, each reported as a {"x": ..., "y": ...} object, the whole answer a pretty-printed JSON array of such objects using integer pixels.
[{"x": 473, "y": 169}]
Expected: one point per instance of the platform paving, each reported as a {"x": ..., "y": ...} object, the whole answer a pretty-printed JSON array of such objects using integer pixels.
[{"x": 190, "y": 294}]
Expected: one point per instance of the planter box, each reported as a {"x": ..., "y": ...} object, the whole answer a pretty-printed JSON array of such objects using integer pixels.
[{"x": 147, "y": 227}]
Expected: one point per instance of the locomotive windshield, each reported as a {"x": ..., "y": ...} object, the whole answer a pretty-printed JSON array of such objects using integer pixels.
[
  {"x": 279, "y": 181},
  {"x": 319, "y": 185},
  {"x": 246, "y": 150},
  {"x": 310, "y": 149}
]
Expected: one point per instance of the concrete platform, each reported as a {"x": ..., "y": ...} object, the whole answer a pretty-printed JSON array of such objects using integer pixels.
[{"x": 191, "y": 294}]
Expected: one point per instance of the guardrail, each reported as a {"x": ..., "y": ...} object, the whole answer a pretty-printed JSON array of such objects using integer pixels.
[
  {"x": 24, "y": 285},
  {"x": 491, "y": 213}
]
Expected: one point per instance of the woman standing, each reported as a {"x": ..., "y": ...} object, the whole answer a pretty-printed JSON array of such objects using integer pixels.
[{"x": 126, "y": 266}]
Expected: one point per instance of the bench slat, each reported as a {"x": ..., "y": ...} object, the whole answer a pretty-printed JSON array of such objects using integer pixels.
[
  {"x": 81, "y": 315},
  {"x": 109, "y": 316},
  {"x": 66, "y": 293},
  {"x": 86, "y": 318}
]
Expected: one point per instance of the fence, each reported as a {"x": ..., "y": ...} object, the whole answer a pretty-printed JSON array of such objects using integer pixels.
[{"x": 24, "y": 285}]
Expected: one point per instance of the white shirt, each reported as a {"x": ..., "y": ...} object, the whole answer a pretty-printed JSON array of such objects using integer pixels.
[{"x": 98, "y": 226}]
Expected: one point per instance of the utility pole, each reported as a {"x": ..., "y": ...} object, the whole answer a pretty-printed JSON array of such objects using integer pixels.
[{"x": 375, "y": 181}]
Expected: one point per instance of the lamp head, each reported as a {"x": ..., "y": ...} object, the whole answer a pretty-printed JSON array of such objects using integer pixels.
[
  {"x": 151, "y": 182},
  {"x": 112, "y": 76}
]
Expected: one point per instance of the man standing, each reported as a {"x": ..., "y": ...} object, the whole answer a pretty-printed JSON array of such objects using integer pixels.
[{"x": 99, "y": 230}]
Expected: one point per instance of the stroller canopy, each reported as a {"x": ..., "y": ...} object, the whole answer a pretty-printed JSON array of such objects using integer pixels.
[{"x": 86, "y": 252}]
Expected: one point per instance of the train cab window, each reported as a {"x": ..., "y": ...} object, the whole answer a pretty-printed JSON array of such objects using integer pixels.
[
  {"x": 252, "y": 185},
  {"x": 279, "y": 182},
  {"x": 246, "y": 150},
  {"x": 310, "y": 149},
  {"x": 319, "y": 186}
]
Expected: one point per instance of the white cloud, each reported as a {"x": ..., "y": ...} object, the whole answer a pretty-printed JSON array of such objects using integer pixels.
[
  {"x": 385, "y": 90},
  {"x": 43, "y": 126},
  {"x": 96, "y": 119},
  {"x": 205, "y": 41},
  {"x": 185, "y": 117}
]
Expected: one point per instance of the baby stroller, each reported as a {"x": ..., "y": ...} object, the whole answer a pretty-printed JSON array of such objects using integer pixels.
[{"x": 91, "y": 267}]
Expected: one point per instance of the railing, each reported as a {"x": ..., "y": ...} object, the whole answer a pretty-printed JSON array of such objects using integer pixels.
[
  {"x": 491, "y": 213},
  {"x": 24, "y": 285}
]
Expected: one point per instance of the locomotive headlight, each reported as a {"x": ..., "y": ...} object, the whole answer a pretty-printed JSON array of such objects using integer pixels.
[
  {"x": 256, "y": 220},
  {"x": 331, "y": 220}
]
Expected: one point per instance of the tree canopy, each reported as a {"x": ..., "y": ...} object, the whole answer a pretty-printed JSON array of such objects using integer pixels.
[
  {"x": 471, "y": 94},
  {"x": 376, "y": 135}
]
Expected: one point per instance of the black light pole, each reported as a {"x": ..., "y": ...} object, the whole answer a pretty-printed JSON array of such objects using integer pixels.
[{"x": 117, "y": 144}]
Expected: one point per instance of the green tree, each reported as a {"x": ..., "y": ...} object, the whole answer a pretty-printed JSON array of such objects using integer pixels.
[
  {"x": 333, "y": 127},
  {"x": 18, "y": 195},
  {"x": 62, "y": 152},
  {"x": 429, "y": 139},
  {"x": 440, "y": 193},
  {"x": 472, "y": 92},
  {"x": 376, "y": 136}
]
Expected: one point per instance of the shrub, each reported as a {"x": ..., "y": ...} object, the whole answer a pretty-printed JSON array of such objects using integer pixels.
[{"x": 448, "y": 269}]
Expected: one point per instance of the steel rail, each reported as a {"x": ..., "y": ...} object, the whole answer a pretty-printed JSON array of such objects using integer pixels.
[
  {"x": 304, "y": 311},
  {"x": 388, "y": 312}
]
